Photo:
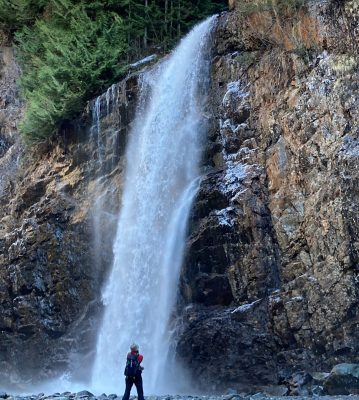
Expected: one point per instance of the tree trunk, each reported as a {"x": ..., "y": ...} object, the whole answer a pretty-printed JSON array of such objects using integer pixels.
[
  {"x": 171, "y": 20},
  {"x": 179, "y": 19},
  {"x": 145, "y": 34}
]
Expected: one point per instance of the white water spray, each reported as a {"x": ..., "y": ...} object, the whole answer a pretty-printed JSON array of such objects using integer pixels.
[{"x": 161, "y": 181}]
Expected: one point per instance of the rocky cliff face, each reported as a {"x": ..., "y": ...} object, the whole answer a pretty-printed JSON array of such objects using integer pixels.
[
  {"x": 271, "y": 277},
  {"x": 270, "y": 281},
  {"x": 59, "y": 203}
]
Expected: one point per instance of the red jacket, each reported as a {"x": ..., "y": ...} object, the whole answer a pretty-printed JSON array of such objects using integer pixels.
[{"x": 135, "y": 353}]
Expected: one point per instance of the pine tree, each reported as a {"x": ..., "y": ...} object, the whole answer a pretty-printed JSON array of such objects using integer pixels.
[
  {"x": 16, "y": 13},
  {"x": 66, "y": 59}
]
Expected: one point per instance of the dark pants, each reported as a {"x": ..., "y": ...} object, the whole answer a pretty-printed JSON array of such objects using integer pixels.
[{"x": 138, "y": 382}]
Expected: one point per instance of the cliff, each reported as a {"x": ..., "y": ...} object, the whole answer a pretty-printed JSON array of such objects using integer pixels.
[
  {"x": 59, "y": 202},
  {"x": 270, "y": 280},
  {"x": 269, "y": 285}
]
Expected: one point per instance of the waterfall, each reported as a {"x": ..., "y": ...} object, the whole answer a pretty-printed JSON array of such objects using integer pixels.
[
  {"x": 162, "y": 178},
  {"x": 103, "y": 141}
]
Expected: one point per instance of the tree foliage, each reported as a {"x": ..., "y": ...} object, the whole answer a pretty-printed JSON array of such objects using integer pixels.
[
  {"x": 70, "y": 50},
  {"x": 66, "y": 59},
  {"x": 16, "y": 13}
]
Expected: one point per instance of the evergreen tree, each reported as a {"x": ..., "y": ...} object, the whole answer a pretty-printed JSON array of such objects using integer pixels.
[
  {"x": 16, "y": 13},
  {"x": 66, "y": 59}
]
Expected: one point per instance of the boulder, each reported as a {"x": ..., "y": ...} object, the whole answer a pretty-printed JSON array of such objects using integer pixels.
[
  {"x": 342, "y": 380},
  {"x": 300, "y": 384}
]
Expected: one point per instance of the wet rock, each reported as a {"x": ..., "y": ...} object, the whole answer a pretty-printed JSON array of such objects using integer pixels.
[
  {"x": 319, "y": 377},
  {"x": 61, "y": 397},
  {"x": 300, "y": 384},
  {"x": 258, "y": 396},
  {"x": 275, "y": 390},
  {"x": 343, "y": 380},
  {"x": 317, "y": 390},
  {"x": 84, "y": 393}
]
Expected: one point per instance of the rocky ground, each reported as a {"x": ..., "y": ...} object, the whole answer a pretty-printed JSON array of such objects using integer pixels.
[{"x": 85, "y": 395}]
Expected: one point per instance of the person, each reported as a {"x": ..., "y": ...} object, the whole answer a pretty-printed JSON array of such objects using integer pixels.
[{"x": 133, "y": 372}]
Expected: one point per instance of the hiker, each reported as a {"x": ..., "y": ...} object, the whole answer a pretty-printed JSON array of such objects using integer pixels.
[{"x": 133, "y": 373}]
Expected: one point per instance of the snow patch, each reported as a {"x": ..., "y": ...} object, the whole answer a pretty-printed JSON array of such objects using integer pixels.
[
  {"x": 235, "y": 174},
  {"x": 144, "y": 61},
  {"x": 226, "y": 216},
  {"x": 297, "y": 298},
  {"x": 234, "y": 91},
  {"x": 350, "y": 147},
  {"x": 244, "y": 153},
  {"x": 227, "y": 124},
  {"x": 245, "y": 307},
  {"x": 275, "y": 299}
]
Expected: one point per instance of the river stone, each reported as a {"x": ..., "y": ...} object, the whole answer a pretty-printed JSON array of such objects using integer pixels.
[
  {"x": 61, "y": 397},
  {"x": 275, "y": 390},
  {"x": 84, "y": 393},
  {"x": 319, "y": 377},
  {"x": 258, "y": 396},
  {"x": 234, "y": 396},
  {"x": 343, "y": 380},
  {"x": 317, "y": 390},
  {"x": 299, "y": 384}
]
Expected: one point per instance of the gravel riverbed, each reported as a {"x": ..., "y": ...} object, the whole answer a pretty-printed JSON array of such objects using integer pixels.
[{"x": 85, "y": 395}]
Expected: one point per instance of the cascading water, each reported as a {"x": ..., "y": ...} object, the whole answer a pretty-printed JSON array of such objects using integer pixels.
[
  {"x": 103, "y": 142},
  {"x": 161, "y": 180}
]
